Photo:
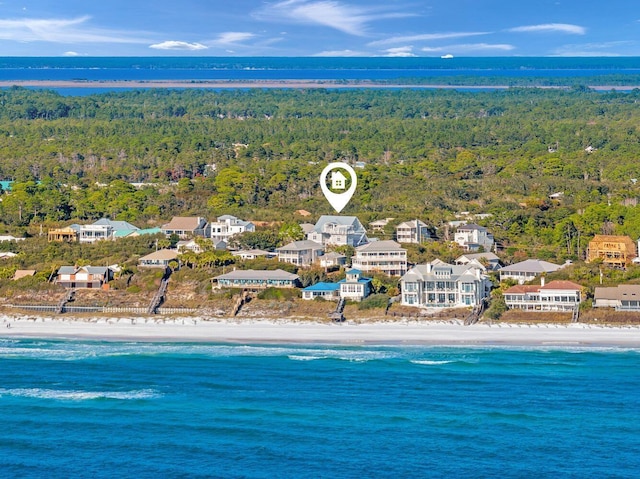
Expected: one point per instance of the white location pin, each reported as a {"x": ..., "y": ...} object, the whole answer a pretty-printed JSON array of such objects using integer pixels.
[{"x": 338, "y": 182}]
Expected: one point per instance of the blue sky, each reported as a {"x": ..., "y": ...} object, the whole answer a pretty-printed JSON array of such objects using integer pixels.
[{"x": 400, "y": 28}]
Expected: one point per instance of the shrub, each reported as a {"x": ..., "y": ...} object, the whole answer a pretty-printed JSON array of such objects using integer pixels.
[
  {"x": 374, "y": 301},
  {"x": 279, "y": 294}
]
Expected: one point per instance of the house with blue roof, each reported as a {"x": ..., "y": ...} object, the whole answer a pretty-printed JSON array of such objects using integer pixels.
[
  {"x": 355, "y": 287},
  {"x": 329, "y": 291}
]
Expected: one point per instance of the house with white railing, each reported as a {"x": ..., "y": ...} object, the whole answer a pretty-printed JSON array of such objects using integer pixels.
[{"x": 442, "y": 285}]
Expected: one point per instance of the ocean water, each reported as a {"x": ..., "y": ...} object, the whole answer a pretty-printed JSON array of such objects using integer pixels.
[
  {"x": 149, "y": 410},
  {"x": 282, "y": 68}
]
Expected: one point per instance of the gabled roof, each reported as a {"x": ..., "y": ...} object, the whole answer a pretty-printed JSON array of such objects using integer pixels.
[
  {"x": 412, "y": 224},
  {"x": 470, "y": 227},
  {"x": 380, "y": 246},
  {"x": 260, "y": 275},
  {"x": 160, "y": 255},
  {"x": 339, "y": 220},
  {"x": 523, "y": 289},
  {"x": 429, "y": 272},
  {"x": 536, "y": 266},
  {"x": 301, "y": 246},
  {"x": 551, "y": 286},
  {"x": 253, "y": 252},
  {"x": 307, "y": 227},
  {"x": 116, "y": 225},
  {"x": 471, "y": 256},
  {"x": 66, "y": 269},
  {"x": 559, "y": 284},
  {"x": 620, "y": 292},
  {"x": 183, "y": 223},
  {"x": 23, "y": 273}
]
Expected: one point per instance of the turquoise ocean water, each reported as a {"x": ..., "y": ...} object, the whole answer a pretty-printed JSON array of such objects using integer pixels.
[{"x": 98, "y": 409}]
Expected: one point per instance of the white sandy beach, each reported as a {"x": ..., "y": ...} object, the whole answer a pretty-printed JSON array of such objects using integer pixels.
[{"x": 283, "y": 331}]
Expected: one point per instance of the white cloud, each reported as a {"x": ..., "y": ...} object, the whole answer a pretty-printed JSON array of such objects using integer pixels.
[
  {"x": 406, "y": 51},
  {"x": 426, "y": 37},
  {"x": 56, "y": 30},
  {"x": 178, "y": 45},
  {"x": 227, "y": 38},
  {"x": 341, "y": 53},
  {"x": 470, "y": 47},
  {"x": 71, "y": 54},
  {"x": 551, "y": 27},
  {"x": 329, "y": 13}
]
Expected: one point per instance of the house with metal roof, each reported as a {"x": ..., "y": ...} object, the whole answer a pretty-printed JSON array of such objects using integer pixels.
[
  {"x": 354, "y": 286},
  {"x": 300, "y": 253},
  {"x": 256, "y": 279},
  {"x": 328, "y": 291},
  {"x": 381, "y": 256},
  {"x": 442, "y": 285},
  {"x": 528, "y": 270},
  {"x": 338, "y": 230}
]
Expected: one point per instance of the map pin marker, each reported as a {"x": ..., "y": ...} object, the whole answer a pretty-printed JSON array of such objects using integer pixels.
[{"x": 338, "y": 182}]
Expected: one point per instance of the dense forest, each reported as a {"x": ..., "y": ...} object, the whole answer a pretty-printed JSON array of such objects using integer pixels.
[{"x": 258, "y": 154}]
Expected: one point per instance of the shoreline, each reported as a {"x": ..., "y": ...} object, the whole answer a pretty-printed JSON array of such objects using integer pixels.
[
  {"x": 271, "y": 84},
  {"x": 252, "y": 331}
]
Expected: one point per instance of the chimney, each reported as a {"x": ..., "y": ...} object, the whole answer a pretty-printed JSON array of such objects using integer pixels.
[
  {"x": 429, "y": 267},
  {"x": 542, "y": 280}
]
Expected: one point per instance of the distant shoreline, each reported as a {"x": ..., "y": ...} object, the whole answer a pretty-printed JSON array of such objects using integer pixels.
[{"x": 271, "y": 84}]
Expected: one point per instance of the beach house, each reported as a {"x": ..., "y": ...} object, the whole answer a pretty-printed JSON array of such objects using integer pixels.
[
  {"x": 256, "y": 279},
  {"x": 103, "y": 229},
  {"x": 300, "y": 253},
  {"x": 489, "y": 260},
  {"x": 442, "y": 285},
  {"x": 159, "y": 259},
  {"x": 554, "y": 296},
  {"x": 624, "y": 297},
  {"x": 186, "y": 227},
  {"x": 85, "y": 277},
  {"x": 355, "y": 287},
  {"x": 227, "y": 226},
  {"x": 414, "y": 231},
  {"x": 381, "y": 256},
  {"x": 527, "y": 270},
  {"x": 472, "y": 237},
  {"x": 338, "y": 230}
]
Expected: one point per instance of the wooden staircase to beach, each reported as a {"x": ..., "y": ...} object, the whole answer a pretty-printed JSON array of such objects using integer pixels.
[
  {"x": 337, "y": 315},
  {"x": 161, "y": 294},
  {"x": 242, "y": 298},
  {"x": 67, "y": 298}
]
